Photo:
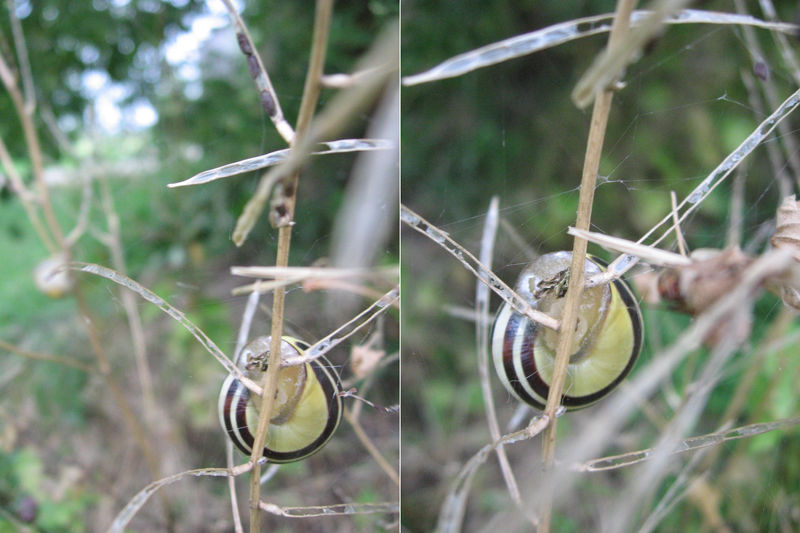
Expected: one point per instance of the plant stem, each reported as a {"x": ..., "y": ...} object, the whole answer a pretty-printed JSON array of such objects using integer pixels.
[
  {"x": 308, "y": 104},
  {"x": 591, "y": 164}
]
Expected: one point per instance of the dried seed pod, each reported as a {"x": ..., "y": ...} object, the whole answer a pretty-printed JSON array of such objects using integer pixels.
[{"x": 606, "y": 343}]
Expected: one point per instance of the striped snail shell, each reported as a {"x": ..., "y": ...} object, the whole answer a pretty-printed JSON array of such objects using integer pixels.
[
  {"x": 606, "y": 343},
  {"x": 307, "y": 406}
]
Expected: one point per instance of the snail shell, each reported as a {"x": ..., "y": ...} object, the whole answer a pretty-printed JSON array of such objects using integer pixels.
[
  {"x": 606, "y": 343},
  {"x": 307, "y": 406},
  {"x": 52, "y": 276}
]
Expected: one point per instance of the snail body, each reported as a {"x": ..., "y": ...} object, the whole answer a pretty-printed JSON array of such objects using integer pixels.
[
  {"x": 605, "y": 346},
  {"x": 307, "y": 407}
]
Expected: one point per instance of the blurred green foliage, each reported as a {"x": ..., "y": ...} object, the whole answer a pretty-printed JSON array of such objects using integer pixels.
[{"x": 22, "y": 477}]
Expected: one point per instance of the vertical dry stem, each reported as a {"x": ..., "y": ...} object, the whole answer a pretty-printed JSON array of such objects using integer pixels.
[
  {"x": 482, "y": 327},
  {"x": 594, "y": 149},
  {"x": 310, "y": 95}
]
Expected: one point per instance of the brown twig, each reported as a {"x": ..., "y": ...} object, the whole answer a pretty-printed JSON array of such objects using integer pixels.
[
  {"x": 34, "y": 148},
  {"x": 22, "y": 58},
  {"x": 482, "y": 327},
  {"x": 114, "y": 243},
  {"x": 46, "y": 357},
  {"x": 322, "y": 20},
  {"x": 594, "y": 149},
  {"x": 371, "y": 448},
  {"x": 26, "y": 197},
  {"x": 678, "y": 233}
]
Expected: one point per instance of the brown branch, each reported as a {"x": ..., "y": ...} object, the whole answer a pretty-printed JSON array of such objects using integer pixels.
[
  {"x": 322, "y": 20},
  {"x": 594, "y": 149}
]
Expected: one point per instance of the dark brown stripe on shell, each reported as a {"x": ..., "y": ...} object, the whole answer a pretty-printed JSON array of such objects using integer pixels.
[{"x": 529, "y": 366}]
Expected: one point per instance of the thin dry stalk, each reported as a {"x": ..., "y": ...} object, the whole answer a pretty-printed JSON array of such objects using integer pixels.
[
  {"x": 39, "y": 356},
  {"x": 26, "y": 197},
  {"x": 235, "y": 515},
  {"x": 331, "y": 340},
  {"x": 734, "y": 237},
  {"x": 563, "y": 32},
  {"x": 132, "y": 422},
  {"x": 610, "y": 415},
  {"x": 591, "y": 165},
  {"x": 342, "y": 81},
  {"x": 22, "y": 58},
  {"x": 776, "y": 159},
  {"x": 114, "y": 243},
  {"x": 745, "y": 385},
  {"x": 322, "y": 20},
  {"x": 654, "y": 471},
  {"x": 25, "y": 112},
  {"x": 451, "y": 514},
  {"x": 518, "y": 242},
  {"x": 258, "y": 162},
  {"x": 762, "y": 132},
  {"x": 614, "y": 462},
  {"x": 162, "y": 304},
  {"x": 307, "y": 273},
  {"x": 482, "y": 325},
  {"x": 241, "y": 341},
  {"x": 471, "y": 263},
  {"x": 353, "y": 415},
  {"x": 371, "y": 448},
  {"x": 676, "y": 492},
  {"x": 343, "y": 286},
  {"x": 366, "y": 218},
  {"x": 789, "y": 55},
  {"x": 132, "y": 507},
  {"x": 34, "y": 148},
  {"x": 609, "y": 66},
  {"x": 336, "y": 509},
  {"x": 83, "y": 214},
  {"x": 678, "y": 233},
  {"x": 766, "y": 347},
  {"x": 786, "y": 138}
]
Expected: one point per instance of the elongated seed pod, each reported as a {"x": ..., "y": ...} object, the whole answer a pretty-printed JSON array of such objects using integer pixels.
[
  {"x": 307, "y": 407},
  {"x": 606, "y": 343}
]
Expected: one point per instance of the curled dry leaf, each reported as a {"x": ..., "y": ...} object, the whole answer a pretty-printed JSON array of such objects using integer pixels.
[
  {"x": 787, "y": 226},
  {"x": 787, "y": 235},
  {"x": 712, "y": 274},
  {"x": 364, "y": 360},
  {"x": 694, "y": 288},
  {"x": 646, "y": 284}
]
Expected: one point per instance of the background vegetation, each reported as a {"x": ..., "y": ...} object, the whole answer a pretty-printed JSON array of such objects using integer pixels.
[
  {"x": 67, "y": 462},
  {"x": 511, "y": 130}
]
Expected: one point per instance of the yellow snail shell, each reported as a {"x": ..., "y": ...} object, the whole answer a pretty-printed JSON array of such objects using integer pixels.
[
  {"x": 606, "y": 343},
  {"x": 307, "y": 407}
]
